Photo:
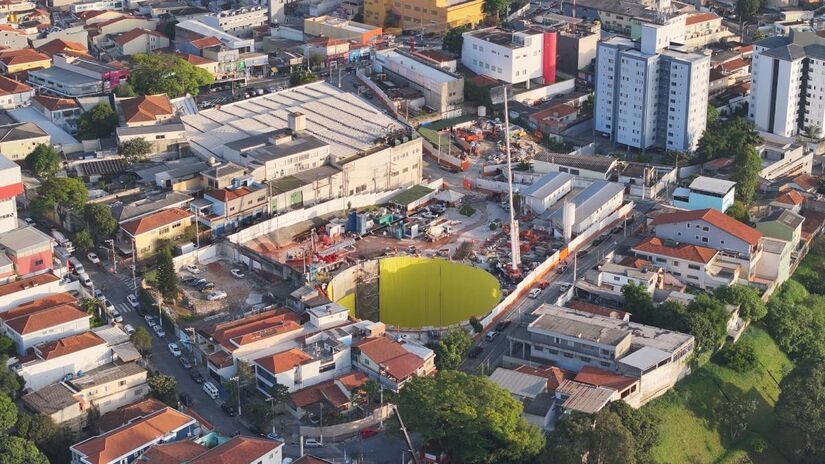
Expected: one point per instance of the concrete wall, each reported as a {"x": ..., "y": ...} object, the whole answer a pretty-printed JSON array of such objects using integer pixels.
[
  {"x": 548, "y": 91},
  {"x": 348, "y": 429}
]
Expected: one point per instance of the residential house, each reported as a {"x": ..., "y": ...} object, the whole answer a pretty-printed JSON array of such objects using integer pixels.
[
  {"x": 178, "y": 175},
  {"x": 231, "y": 208},
  {"x": 572, "y": 340},
  {"x": 804, "y": 183},
  {"x": 193, "y": 36},
  {"x": 125, "y": 212},
  {"x": 17, "y": 141},
  {"x": 64, "y": 47},
  {"x": 30, "y": 250},
  {"x": 783, "y": 224},
  {"x": 139, "y": 40},
  {"x": 240, "y": 21},
  {"x": 146, "y": 110},
  {"x": 15, "y": 293},
  {"x": 704, "y": 28},
  {"x": 102, "y": 34},
  {"x": 15, "y": 61},
  {"x": 166, "y": 140},
  {"x": 237, "y": 450},
  {"x": 338, "y": 395},
  {"x": 693, "y": 265},
  {"x": 705, "y": 192},
  {"x": 791, "y": 200},
  {"x": 609, "y": 278},
  {"x": 392, "y": 363},
  {"x": 62, "y": 112},
  {"x": 14, "y": 94},
  {"x": 222, "y": 175},
  {"x": 126, "y": 443},
  {"x": 12, "y": 37},
  {"x": 70, "y": 403},
  {"x": 52, "y": 361},
  {"x": 11, "y": 186},
  {"x": 43, "y": 320},
  {"x": 210, "y": 66},
  {"x": 125, "y": 414},
  {"x": 781, "y": 158},
  {"x": 149, "y": 232}
]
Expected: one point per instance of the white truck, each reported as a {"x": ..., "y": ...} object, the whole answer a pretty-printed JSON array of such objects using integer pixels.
[{"x": 63, "y": 241}]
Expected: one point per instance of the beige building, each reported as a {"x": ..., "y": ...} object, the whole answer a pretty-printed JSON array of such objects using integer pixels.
[
  {"x": 339, "y": 28},
  {"x": 702, "y": 29},
  {"x": 17, "y": 141},
  {"x": 443, "y": 90},
  {"x": 139, "y": 40},
  {"x": 149, "y": 232}
]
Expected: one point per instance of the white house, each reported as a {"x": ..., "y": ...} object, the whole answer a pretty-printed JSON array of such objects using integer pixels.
[
  {"x": 43, "y": 321},
  {"x": 706, "y": 192},
  {"x": 54, "y": 360}
]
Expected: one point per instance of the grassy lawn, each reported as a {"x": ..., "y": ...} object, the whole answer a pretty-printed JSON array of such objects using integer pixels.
[{"x": 690, "y": 429}]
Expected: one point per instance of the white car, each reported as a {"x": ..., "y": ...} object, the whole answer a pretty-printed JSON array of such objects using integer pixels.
[
  {"x": 159, "y": 330},
  {"x": 216, "y": 295},
  {"x": 237, "y": 273},
  {"x": 534, "y": 293},
  {"x": 110, "y": 308},
  {"x": 128, "y": 329},
  {"x": 174, "y": 349},
  {"x": 192, "y": 269},
  {"x": 93, "y": 258},
  {"x": 150, "y": 321},
  {"x": 133, "y": 301},
  {"x": 312, "y": 443},
  {"x": 99, "y": 295},
  {"x": 116, "y": 316}
]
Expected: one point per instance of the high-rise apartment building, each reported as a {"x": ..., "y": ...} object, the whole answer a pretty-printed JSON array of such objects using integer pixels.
[
  {"x": 788, "y": 84},
  {"x": 650, "y": 93}
]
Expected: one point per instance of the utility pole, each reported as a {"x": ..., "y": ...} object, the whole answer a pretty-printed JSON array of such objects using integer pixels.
[
  {"x": 114, "y": 257},
  {"x": 514, "y": 235},
  {"x": 134, "y": 266},
  {"x": 237, "y": 378}
]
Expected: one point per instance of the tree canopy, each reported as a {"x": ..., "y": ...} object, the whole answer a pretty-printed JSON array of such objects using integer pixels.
[
  {"x": 165, "y": 388},
  {"x": 748, "y": 299},
  {"x": 44, "y": 161},
  {"x": 36, "y": 427},
  {"x": 99, "y": 220},
  {"x": 452, "y": 348},
  {"x": 495, "y": 8},
  {"x": 97, "y": 123},
  {"x": 301, "y": 77},
  {"x": 67, "y": 192},
  {"x": 135, "y": 150},
  {"x": 8, "y": 413},
  {"x": 454, "y": 39},
  {"x": 167, "y": 280},
  {"x": 142, "y": 339},
  {"x": 800, "y": 407},
  {"x": 472, "y": 418},
  {"x": 746, "y": 167},
  {"x": 166, "y": 73},
  {"x": 739, "y": 211},
  {"x": 726, "y": 138},
  {"x": 598, "y": 438},
  {"x": 16, "y": 450}
]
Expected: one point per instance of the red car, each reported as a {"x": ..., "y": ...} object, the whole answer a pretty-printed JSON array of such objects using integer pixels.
[{"x": 366, "y": 433}]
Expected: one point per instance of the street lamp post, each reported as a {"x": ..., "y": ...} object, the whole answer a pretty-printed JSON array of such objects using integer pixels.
[{"x": 237, "y": 378}]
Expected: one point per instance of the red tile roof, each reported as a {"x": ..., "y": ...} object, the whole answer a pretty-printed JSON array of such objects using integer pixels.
[
  {"x": 173, "y": 453},
  {"x": 327, "y": 391},
  {"x": 591, "y": 308},
  {"x": 206, "y": 42},
  {"x": 715, "y": 218},
  {"x": 601, "y": 378},
  {"x": 283, "y": 361},
  {"x": 113, "y": 445},
  {"x": 390, "y": 355},
  {"x": 194, "y": 59},
  {"x": 56, "y": 104},
  {"x": 26, "y": 55},
  {"x": 114, "y": 419},
  {"x": 39, "y": 320},
  {"x": 66, "y": 47},
  {"x": 554, "y": 375},
  {"x": 791, "y": 197},
  {"x": 227, "y": 194},
  {"x": 718, "y": 163},
  {"x": 684, "y": 251},
  {"x": 254, "y": 328},
  {"x": 308, "y": 459},
  {"x": 68, "y": 345},
  {"x": 11, "y": 86},
  {"x": 700, "y": 18},
  {"x": 353, "y": 380},
  {"x": 154, "y": 221},
  {"x": 806, "y": 182},
  {"x": 129, "y": 36},
  {"x": 40, "y": 303},
  {"x": 238, "y": 450},
  {"x": 736, "y": 64},
  {"x": 14, "y": 287},
  {"x": 146, "y": 108}
]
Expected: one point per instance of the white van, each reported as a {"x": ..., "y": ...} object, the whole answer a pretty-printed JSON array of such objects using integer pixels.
[
  {"x": 84, "y": 279},
  {"x": 77, "y": 266},
  {"x": 211, "y": 390}
]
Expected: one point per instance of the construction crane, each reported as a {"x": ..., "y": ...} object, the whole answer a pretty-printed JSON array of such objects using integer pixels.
[
  {"x": 410, "y": 448},
  {"x": 514, "y": 235}
]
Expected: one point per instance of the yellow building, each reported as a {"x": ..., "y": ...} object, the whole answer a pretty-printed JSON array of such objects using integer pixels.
[
  {"x": 15, "y": 61},
  {"x": 148, "y": 232},
  {"x": 426, "y": 15}
]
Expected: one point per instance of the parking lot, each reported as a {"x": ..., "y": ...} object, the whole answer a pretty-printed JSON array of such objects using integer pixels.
[{"x": 242, "y": 291}]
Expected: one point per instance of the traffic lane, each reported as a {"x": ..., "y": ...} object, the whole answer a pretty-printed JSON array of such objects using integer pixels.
[{"x": 383, "y": 448}]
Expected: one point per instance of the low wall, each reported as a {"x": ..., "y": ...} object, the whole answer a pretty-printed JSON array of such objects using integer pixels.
[
  {"x": 365, "y": 79},
  {"x": 348, "y": 429},
  {"x": 548, "y": 91},
  {"x": 198, "y": 255}
]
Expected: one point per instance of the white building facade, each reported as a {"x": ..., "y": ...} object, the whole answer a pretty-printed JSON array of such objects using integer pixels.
[{"x": 512, "y": 57}]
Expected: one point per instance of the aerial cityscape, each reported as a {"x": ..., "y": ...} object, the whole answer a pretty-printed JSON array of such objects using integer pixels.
[{"x": 422, "y": 231}]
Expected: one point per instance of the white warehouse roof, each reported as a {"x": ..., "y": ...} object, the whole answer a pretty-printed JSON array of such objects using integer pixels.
[
  {"x": 712, "y": 185},
  {"x": 547, "y": 184}
]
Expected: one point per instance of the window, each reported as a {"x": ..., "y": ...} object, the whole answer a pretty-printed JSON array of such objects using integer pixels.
[
  {"x": 164, "y": 230},
  {"x": 694, "y": 267},
  {"x": 38, "y": 262}
]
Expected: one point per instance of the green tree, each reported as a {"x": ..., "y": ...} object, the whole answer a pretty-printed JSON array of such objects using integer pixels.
[
  {"x": 452, "y": 348},
  {"x": 56, "y": 448},
  {"x": 747, "y": 9},
  {"x": 748, "y": 299},
  {"x": 279, "y": 393},
  {"x": 715, "y": 312},
  {"x": 246, "y": 374},
  {"x": 801, "y": 409},
  {"x": 165, "y": 388},
  {"x": 495, "y": 8},
  {"x": 7, "y": 346},
  {"x": 97, "y": 123},
  {"x": 301, "y": 77},
  {"x": 100, "y": 221},
  {"x": 713, "y": 114},
  {"x": 44, "y": 161},
  {"x": 37, "y": 428},
  {"x": 16, "y": 450},
  {"x": 135, "y": 150},
  {"x": 471, "y": 417},
  {"x": 637, "y": 298},
  {"x": 233, "y": 392},
  {"x": 746, "y": 167},
  {"x": 735, "y": 412},
  {"x": 10, "y": 383},
  {"x": 83, "y": 240},
  {"x": 740, "y": 357},
  {"x": 8, "y": 413},
  {"x": 142, "y": 340},
  {"x": 167, "y": 278},
  {"x": 726, "y": 138},
  {"x": 643, "y": 425},
  {"x": 125, "y": 90},
  {"x": 601, "y": 438},
  {"x": 454, "y": 39},
  {"x": 739, "y": 212},
  {"x": 169, "y": 28},
  {"x": 476, "y": 324},
  {"x": 69, "y": 193},
  {"x": 166, "y": 73}
]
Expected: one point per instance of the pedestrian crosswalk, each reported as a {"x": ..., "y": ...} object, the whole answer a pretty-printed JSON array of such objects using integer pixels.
[
  {"x": 124, "y": 308},
  {"x": 129, "y": 282}
]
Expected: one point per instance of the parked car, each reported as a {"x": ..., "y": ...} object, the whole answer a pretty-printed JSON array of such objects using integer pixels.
[
  {"x": 116, "y": 316},
  {"x": 210, "y": 389},
  {"x": 562, "y": 269},
  {"x": 474, "y": 351},
  {"x": 367, "y": 433},
  {"x": 275, "y": 436},
  {"x": 534, "y": 293},
  {"x": 543, "y": 284},
  {"x": 99, "y": 295},
  {"x": 491, "y": 335},
  {"x": 197, "y": 282},
  {"x": 237, "y": 273},
  {"x": 29, "y": 221},
  {"x": 216, "y": 295},
  {"x": 133, "y": 301},
  {"x": 174, "y": 349},
  {"x": 159, "y": 330},
  {"x": 229, "y": 410},
  {"x": 192, "y": 269},
  {"x": 311, "y": 442},
  {"x": 110, "y": 308},
  {"x": 85, "y": 279},
  {"x": 185, "y": 363},
  {"x": 128, "y": 329},
  {"x": 93, "y": 258},
  {"x": 196, "y": 376},
  {"x": 502, "y": 325},
  {"x": 564, "y": 287},
  {"x": 207, "y": 287},
  {"x": 185, "y": 399},
  {"x": 150, "y": 320}
]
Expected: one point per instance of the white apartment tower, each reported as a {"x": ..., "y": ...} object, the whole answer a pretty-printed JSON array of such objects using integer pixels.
[
  {"x": 649, "y": 95},
  {"x": 788, "y": 84}
]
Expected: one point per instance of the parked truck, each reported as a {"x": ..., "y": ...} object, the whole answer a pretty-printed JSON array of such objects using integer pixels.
[{"x": 62, "y": 240}]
